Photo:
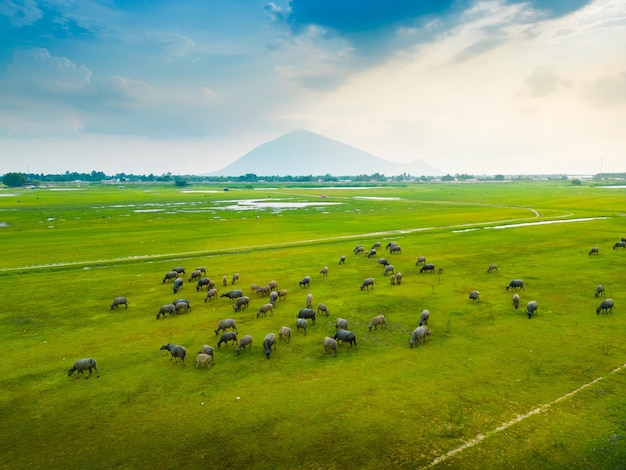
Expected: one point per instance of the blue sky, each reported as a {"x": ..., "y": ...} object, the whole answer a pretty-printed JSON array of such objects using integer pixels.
[{"x": 187, "y": 86}]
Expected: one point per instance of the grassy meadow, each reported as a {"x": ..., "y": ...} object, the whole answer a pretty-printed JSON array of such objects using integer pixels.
[{"x": 67, "y": 251}]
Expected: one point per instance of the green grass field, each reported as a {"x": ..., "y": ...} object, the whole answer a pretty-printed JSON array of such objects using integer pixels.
[{"x": 490, "y": 389}]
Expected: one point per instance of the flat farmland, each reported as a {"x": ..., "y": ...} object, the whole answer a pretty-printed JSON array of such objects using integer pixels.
[{"x": 490, "y": 388}]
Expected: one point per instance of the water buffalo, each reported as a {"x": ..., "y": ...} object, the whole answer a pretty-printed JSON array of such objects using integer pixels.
[
  {"x": 606, "y": 306},
  {"x": 117, "y": 301},
  {"x": 178, "y": 284},
  {"x": 531, "y": 308},
  {"x": 324, "y": 271},
  {"x": 383, "y": 262},
  {"x": 176, "y": 351},
  {"x": 234, "y": 279},
  {"x": 167, "y": 308},
  {"x": 321, "y": 308},
  {"x": 309, "y": 300},
  {"x": 474, "y": 295},
  {"x": 241, "y": 302},
  {"x": 516, "y": 300},
  {"x": 395, "y": 249},
  {"x": 342, "y": 260},
  {"x": 170, "y": 275},
  {"x": 203, "y": 359},
  {"x": 268, "y": 342},
  {"x": 594, "y": 251},
  {"x": 376, "y": 245},
  {"x": 211, "y": 294},
  {"x": 427, "y": 268},
  {"x": 82, "y": 365},
  {"x": 305, "y": 282},
  {"x": 341, "y": 323},
  {"x": 243, "y": 342},
  {"x": 181, "y": 305},
  {"x": 424, "y": 316},
  {"x": 621, "y": 245},
  {"x": 179, "y": 270},
  {"x": 284, "y": 333},
  {"x": 419, "y": 334},
  {"x": 491, "y": 268},
  {"x": 301, "y": 325},
  {"x": 307, "y": 313},
  {"x": 233, "y": 294},
  {"x": 371, "y": 253},
  {"x": 204, "y": 281},
  {"x": 226, "y": 337},
  {"x": 515, "y": 284},
  {"x": 223, "y": 325},
  {"x": 358, "y": 249},
  {"x": 389, "y": 245},
  {"x": 600, "y": 290},
  {"x": 195, "y": 275},
  {"x": 269, "y": 307},
  {"x": 367, "y": 283},
  {"x": 345, "y": 336},
  {"x": 388, "y": 269},
  {"x": 420, "y": 260},
  {"x": 330, "y": 344},
  {"x": 378, "y": 320}
]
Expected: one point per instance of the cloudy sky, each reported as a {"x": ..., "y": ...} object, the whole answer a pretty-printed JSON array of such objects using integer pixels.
[{"x": 188, "y": 86}]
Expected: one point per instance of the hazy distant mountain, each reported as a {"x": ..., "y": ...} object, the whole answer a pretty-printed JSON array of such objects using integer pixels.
[{"x": 302, "y": 153}]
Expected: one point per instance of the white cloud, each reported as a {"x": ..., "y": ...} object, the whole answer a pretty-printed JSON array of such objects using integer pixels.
[{"x": 21, "y": 13}]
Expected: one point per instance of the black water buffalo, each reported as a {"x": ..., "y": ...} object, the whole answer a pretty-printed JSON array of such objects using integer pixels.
[
  {"x": 233, "y": 294},
  {"x": 307, "y": 313},
  {"x": 606, "y": 306},
  {"x": 306, "y": 281},
  {"x": 345, "y": 336},
  {"x": 515, "y": 284},
  {"x": 427, "y": 268},
  {"x": 531, "y": 308}
]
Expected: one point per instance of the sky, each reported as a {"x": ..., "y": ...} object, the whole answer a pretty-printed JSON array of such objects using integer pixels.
[{"x": 189, "y": 86}]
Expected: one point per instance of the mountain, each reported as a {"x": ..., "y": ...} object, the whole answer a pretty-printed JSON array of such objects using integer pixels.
[{"x": 302, "y": 153}]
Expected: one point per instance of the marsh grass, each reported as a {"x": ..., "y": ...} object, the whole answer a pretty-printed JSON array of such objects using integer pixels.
[{"x": 381, "y": 405}]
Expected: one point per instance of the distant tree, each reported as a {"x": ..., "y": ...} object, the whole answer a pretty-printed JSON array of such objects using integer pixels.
[
  {"x": 180, "y": 182},
  {"x": 576, "y": 182},
  {"x": 499, "y": 177},
  {"x": 14, "y": 180},
  {"x": 447, "y": 178}
]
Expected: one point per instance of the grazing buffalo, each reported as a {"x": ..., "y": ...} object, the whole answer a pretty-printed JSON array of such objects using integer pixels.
[
  {"x": 178, "y": 284},
  {"x": 167, "y": 308},
  {"x": 117, "y": 301},
  {"x": 235, "y": 278},
  {"x": 284, "y": 333},
  {"x": 424, "y": 316},
  {"x": 621, "y": 245},
  {"x": 176, "y": 352},
  {"x": 241, "y": 302},
  {"x": 341, "y": 323},
  {"x": 268, "y": 343},
  {"x": 420, "y": 260},
  {"x": 516, "y": 300},
  {"x": 371, "y": 253},
  {"x": 376, "y": 245},
  {"x": 388, "y": 269},
  {"x": 531, "y": 308},
  {"x": 491, "y": 268},
  {"x": 600, "y": 291},
  {"x": 233, "y": 294},
  {"x": 195, "y": 275},
  {"x": 179, "y": 270},
  {"x": 324, "y": 271},
  {"x": 419, "y": 334},
  {"x": 383, "y": 262},
  {"x": 170, "y": 275},
  {"x": 269, "y": 307},
  {"x": 226, "y": 337},
  {"x": 321, "y": 308},
  {"x": 211, "y": 295},
  {"x": 395, "y": 249},
  {"x": 474, "y": 295},
  {"x": 427, "y": 268},
  {"x": 345, "y": 336},
  {"x": 309, "y": 300},
  {"x": 606, "y": 306},
  {"x": 223, "y": 325},
  {"x": 594, "y": 251},
  {"x": 330, "y": 344},
  {"x": 301, "y": 325},
  {"x": 82, "y": 365},
  {"x": 204, "y": 281},
  {"x": 342, "y": 260},
  {"x": 515, "y": 284},
  {"x": 367, "y": 283},
  {"x": 378, "y": 320},
  {"x": 180, "y": 305},
  {"x": 305, "y": 282},
  {"x": 358, "y": 249},
  {"x": 389, "y": 245},
  {"x": 243, "y": 342},
  {"x": 307, "y": 313}
]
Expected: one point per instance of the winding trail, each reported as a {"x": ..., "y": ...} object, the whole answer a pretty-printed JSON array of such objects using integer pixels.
[{"x": 495, "y": 224}]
